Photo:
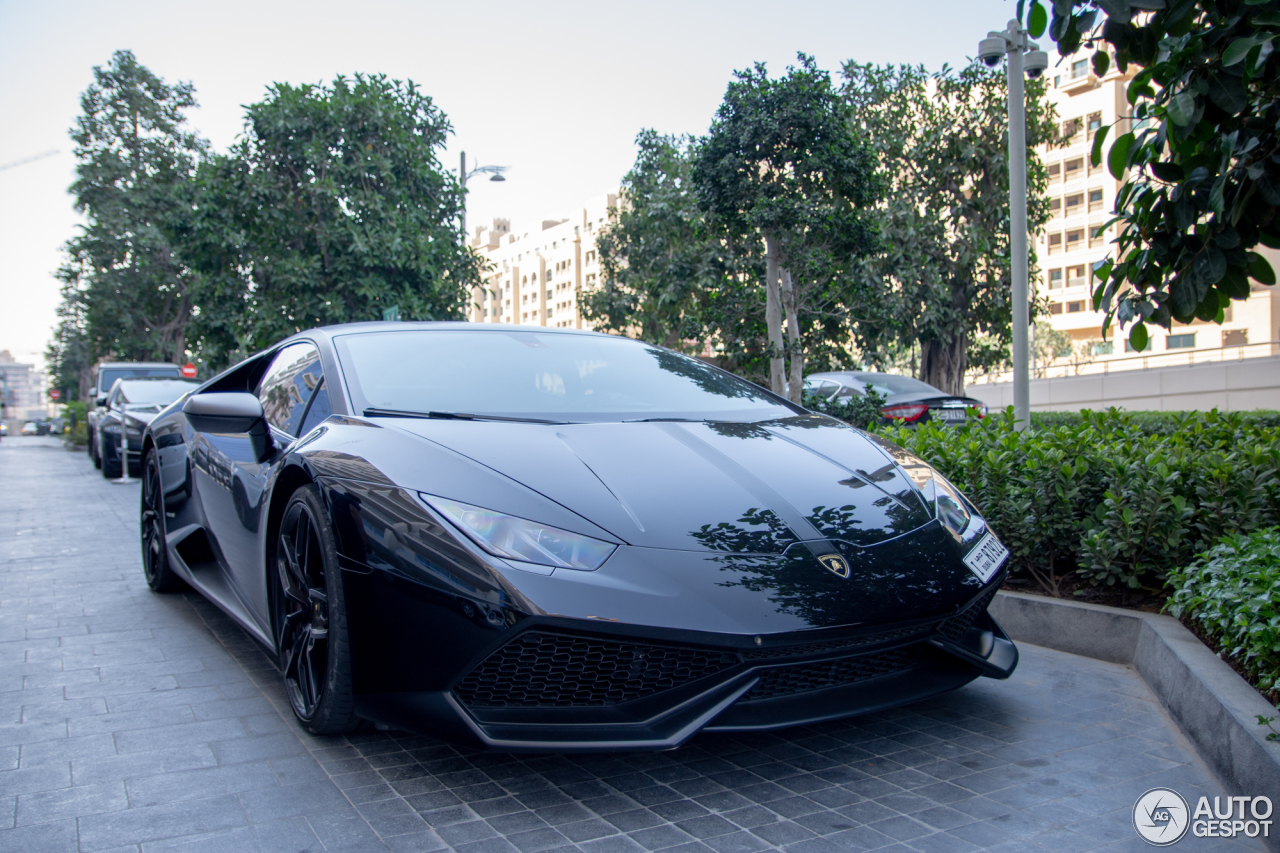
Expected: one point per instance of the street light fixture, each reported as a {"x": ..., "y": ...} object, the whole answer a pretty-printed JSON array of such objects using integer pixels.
[
  {"x": 464, "y": 175},
  {"x": 1023, "y": 56}
]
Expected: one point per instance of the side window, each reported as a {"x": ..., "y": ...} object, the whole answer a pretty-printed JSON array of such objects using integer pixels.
[
  {"x": 287, "y": 385},
  {"x": 318, "y": 411}
]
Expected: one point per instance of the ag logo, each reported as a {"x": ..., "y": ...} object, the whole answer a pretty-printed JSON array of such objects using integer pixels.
[
  {"x": 835, "y": 563},
  {"x": 1160, "y": 816}
]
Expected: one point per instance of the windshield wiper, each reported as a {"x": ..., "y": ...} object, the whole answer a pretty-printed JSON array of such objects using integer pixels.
[{"x": 451, "y": 416}]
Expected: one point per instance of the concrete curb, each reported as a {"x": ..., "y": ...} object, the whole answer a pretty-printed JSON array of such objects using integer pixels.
[{"x": 1215, "y": 707}]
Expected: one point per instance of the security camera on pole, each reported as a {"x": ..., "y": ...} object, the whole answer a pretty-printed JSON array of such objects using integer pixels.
[{"x": 1024, "y": 57}]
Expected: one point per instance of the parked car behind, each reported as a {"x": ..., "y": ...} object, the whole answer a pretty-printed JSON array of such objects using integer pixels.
[
  {"x": 30, "y": 428},
  {"x": 906, "y": 399},
  {"x": 105, "y": 375},
  {"x": 133, "y": 402}
]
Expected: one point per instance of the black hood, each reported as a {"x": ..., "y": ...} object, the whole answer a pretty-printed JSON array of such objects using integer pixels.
[{"x": 748, "y": 488}]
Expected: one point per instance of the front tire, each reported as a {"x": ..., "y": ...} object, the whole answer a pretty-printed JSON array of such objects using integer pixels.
[
  {"x": 96, "y": 452},
  {"x": 110, "y": 463},
  {"x": 155, "y": 555},
  {"x": 311, "y": 618}
]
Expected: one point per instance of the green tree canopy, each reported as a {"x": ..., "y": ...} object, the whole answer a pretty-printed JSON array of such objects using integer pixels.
[
  {"x": 1200, "y": 148},
  {"x": 667, "y": 276},
  {"x": 943, "y": 280},
  {"x": 780, "y": 164},
  {"x": 333, "y": 206},
  {"x": 126, "y": 292}
]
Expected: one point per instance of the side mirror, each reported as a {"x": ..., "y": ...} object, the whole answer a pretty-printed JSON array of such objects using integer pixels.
[
  {"x": 100, "y": 401},
  {"x": 230, "y": 413}
]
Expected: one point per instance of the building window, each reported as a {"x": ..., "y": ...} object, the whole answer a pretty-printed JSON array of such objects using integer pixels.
[
  {"x": 1055, "y": 207},
  {"x": 1071, "y": 128},
  {"x": 1075, "y": 239},
  {"x": 1075, "y": 307},
  {"x": 1055, "y": 171},
  {"x": 1187, "y": 341},
  {"x": 1235, "y": 337},
  {"x": 1097, "y": 236},
  {"x": 1055, "y": 243},
  {"x": 1055, "y": 279},
  {"x": 1055, "y": 308},
  {"x": 1129, "y": 347},
  {"x": 1095, "y": 200},
  {"x": 1102, "y": 348},
  {"x": 1079, "y": 68},
  {"x": 1073, "y": 168},
  {"x": 1093, "y": 123},
  {"x": 1075, "y": 203},
  {"x": 1076, "y": 276}
]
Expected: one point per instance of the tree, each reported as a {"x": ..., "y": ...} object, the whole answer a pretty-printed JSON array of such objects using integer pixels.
[
  {"x": 780, "y": 164},
  {"x": 126, "y": 293},
  {"x": 333, "y": 206},
  {"x": 943, "y": 280},
  {"x": 1201, "y": 150},
  {"x": 667, "y": 276}
]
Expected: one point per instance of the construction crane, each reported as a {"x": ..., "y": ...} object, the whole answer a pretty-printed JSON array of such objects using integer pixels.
[{"x": 48, "y": 153}]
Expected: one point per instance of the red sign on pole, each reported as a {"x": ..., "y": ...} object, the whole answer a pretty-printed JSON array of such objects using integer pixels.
[
  {"x": 55, "y": 394},
  {"x": 188, "y": 371}
]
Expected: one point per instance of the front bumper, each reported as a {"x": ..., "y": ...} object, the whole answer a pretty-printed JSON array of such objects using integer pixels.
[{"x": 567, "y": 685}]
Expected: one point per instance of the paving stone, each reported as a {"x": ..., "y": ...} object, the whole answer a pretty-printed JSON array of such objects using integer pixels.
[{"x": 141, "y": 722}]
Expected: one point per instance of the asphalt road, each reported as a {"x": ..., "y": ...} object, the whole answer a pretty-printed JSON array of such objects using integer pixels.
[{"x": 133, "y": 721}]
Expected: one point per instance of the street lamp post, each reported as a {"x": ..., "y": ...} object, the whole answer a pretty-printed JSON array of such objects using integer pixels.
[
  {"x": 463, "y": 175},
  {"x": 1012, "y": 44}
]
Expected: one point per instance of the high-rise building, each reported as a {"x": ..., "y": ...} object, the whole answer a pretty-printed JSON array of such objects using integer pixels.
[
  {"x": 1081, "y": 200},
  {"x": 537, "y": 275}
]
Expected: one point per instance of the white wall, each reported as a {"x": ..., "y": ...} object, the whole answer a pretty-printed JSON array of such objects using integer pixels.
[{"x": 1226, "y": 385}]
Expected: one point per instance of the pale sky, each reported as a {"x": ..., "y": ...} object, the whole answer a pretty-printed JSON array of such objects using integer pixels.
[{"x": 555, "y": 90}]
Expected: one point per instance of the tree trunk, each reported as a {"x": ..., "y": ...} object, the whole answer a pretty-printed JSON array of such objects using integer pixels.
[
  {"x": 942, "y": 364},
  {"x": 773, "y": 314},
  {"x": 795, "y": 351}
]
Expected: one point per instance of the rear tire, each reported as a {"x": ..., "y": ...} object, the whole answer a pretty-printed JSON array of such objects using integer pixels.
[
  {"x": 311, "y": 617},
  {"x": 155, "y": 554}
]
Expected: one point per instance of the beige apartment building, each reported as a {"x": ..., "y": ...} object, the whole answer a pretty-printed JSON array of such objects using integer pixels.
[
  {"x": 537, "y": 275},
  {"x": 1081, "y": 200}
]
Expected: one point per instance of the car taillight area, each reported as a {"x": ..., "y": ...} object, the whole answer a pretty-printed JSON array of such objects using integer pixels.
[{"x": 909, "y": 412}]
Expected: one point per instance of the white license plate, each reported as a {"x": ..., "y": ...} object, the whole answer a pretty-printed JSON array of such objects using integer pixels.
[
  {"x": 948, "y": 414},
  {"x": 987, "y": 557}
]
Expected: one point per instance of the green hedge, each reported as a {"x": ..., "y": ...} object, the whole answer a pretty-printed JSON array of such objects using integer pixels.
[
  {"x": 1232, "y": 593},
  {"x": 1120, "y": 498},
  {"x": 1151, "y": 423}
]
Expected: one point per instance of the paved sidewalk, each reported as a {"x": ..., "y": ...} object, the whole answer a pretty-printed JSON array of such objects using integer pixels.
[{"x": 133, "y": 721}]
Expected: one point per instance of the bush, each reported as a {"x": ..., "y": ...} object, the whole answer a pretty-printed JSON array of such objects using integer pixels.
[
  {"x": 1232, "y": 593},
  {"x": 1115, "y": 497},
  {"x": 1152, "y": 423}
]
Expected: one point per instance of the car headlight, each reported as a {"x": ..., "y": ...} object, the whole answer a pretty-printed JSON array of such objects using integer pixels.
[
  {"x": 952, "y": 512},
  {"x": 523, "y": 540},
  {"x": 949, "y": 506}
]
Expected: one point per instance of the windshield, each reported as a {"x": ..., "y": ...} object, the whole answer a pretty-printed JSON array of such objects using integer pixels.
[
  {"x": 154, "y": 391},
  {"x": 108, "y": 375},
  {"x": 560, "y": 377},
  {"x": 890, "y": 383}
]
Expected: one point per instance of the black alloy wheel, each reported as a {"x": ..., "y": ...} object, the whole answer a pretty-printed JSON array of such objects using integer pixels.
[
  {"x": 155, "y": 556},
  {"x": 311, "y": 628}
]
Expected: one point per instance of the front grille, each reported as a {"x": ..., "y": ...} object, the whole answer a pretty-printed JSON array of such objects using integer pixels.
[
  {"x": 785, "y": 681},
  {"x": 954, "y": 628},
  {"x": 546, "y": 669},
  {"x": 832, "y": 645}
]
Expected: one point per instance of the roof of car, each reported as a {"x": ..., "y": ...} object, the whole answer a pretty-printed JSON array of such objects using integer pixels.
[
  {"x": 440, "y": 325},
  {"x": 138, "y": 364}
]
